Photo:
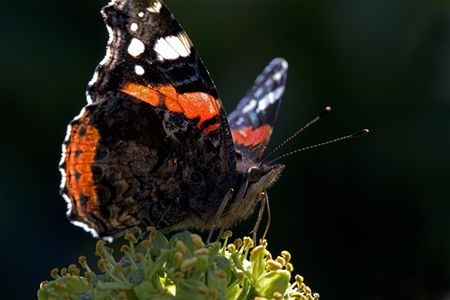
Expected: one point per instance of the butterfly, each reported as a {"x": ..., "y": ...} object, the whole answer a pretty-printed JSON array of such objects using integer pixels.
[{"x": 153, "y": 146}]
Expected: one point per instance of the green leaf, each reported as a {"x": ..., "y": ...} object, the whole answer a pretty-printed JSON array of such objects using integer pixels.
[
  {"x": 216, "y": 282},
  {"x": 233, "y": 292},
  {"x": 145, "y": 290},
  {"x": 190, "y": 289},
  {"x": 159, "y": 242},
  {"x": 272, "y": 282},
  {"x": 257, "y": 259},
  {"x": 214, "y": 248}
]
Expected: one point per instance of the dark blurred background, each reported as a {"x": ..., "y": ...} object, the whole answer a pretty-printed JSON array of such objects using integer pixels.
[{"x": 365, "y": 219}]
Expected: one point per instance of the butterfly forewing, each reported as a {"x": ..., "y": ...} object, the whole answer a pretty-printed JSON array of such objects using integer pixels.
[{"x": 253, "y": 120}]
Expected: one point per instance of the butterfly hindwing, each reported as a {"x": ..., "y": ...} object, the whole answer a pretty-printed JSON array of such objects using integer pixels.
[{"x": 253, "y": 119}]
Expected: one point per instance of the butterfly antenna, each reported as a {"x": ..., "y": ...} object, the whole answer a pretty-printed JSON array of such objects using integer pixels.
[
  {"x": 300, "y": 130},
  {"x": 347, "y": 137}
]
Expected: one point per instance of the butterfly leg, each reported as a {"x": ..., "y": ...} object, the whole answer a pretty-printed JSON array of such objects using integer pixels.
[
  {"x": 163, "y": 216},
  {"x": 219, "y": 213},
  {"x": 259, "y": 219},
  {"x": 264, "y": 204},
  {"x": 269, "y": 215}
]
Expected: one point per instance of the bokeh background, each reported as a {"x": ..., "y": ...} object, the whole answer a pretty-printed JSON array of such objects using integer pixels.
[{"x": 365, "y": 219}]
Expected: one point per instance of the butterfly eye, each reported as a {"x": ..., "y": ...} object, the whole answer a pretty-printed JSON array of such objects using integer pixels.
[{"x": 254, "y": 174}]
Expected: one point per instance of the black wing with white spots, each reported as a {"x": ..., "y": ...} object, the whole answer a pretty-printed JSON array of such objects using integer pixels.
[{"x": 147, "y": 46}]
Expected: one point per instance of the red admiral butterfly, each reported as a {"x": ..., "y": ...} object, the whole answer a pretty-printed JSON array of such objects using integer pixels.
[{"x": 153, "y": 146}]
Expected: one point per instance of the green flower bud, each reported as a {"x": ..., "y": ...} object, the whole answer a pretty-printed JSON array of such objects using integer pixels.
[
  {"x": 248, "y": 243},
  {"x": 188, "y": 264},
  {"x": 181, "y": 247},
  {"x": 231, "y": 248},
  {"x": 201, "y": 251},
  {"x": 289, "y": 267},
  {"x": 129, "y": 236},
  {"x": 197, "y": 240},
  {"x": 286, "y": 255},
  {"x": 54, "y": 273},
  {"x": 273, "y": 265},
  {"x": 281, "y": 261},
  {"x": 227, "y": 234}
]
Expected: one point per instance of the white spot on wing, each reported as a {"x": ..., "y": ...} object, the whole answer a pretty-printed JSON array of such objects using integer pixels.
[
  {"x": 155, "y": 8},
  {"x": 259, "y": 92},
  {"x": 250, "y": 106},
  {"x": 165, "y": 51},
  {"x": 278, "y": 76},
  {"x": 134, "y": 27},
  {"x": 141, "y": 14},
  {"x": 136, "y": 47},
  {"x": 139, "y": 70},
  {"x": 176, "y": 43},
  {"x": 172, "y": 47},
  {"x": 269, "y": 99}
]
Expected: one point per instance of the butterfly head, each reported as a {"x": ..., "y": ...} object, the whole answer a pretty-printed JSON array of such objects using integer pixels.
[
  {"x": 257, "y": 178},
  {"x": 264, "y": 175}
]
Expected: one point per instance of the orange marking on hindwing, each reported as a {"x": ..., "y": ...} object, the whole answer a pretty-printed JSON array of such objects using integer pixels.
[
  {"x": 192, "y": 105},
  {"x": 211, "y": 128},
  {"x": 251, "y": 137},
  {"x": 79, "y": 157}
]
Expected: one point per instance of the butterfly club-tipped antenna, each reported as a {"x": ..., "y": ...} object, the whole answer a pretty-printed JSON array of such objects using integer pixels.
[
  {"x": 340, "y": 139},
  {"x": 325, "y": 111}
]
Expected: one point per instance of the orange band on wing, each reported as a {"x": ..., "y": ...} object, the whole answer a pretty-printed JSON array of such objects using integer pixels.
[
  {"x": 251, "y": 137},
  {"x": 143, "y": 93},
  {"x": 80, "y": 154},
  {"x": 192, "y": 105}
]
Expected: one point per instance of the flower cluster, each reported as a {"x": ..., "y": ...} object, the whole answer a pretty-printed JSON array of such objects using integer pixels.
[{"x": 182, "y": 268}]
